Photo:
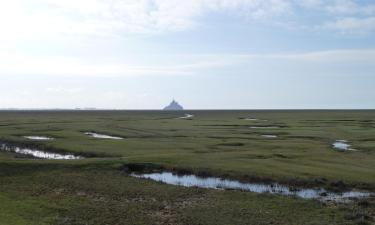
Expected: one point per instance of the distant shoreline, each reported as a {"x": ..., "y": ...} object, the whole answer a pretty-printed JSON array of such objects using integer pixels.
[{"x": 161, "y": 110}]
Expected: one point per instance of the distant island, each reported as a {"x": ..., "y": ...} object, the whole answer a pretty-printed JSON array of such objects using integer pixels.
[{"x": 173, "y": 106}]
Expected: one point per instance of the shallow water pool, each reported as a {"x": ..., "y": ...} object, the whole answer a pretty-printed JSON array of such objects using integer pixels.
[{"x": 274, "y": 188}]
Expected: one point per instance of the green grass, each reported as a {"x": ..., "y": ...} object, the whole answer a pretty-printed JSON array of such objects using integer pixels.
[
  {"x": 217, "y": 141},
  {"x": 45, "y": 193},
  {"x": 95, "y": 191}
]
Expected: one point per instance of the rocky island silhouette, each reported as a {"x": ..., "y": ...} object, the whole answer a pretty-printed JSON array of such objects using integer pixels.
[{"x": 174, "y": 105}]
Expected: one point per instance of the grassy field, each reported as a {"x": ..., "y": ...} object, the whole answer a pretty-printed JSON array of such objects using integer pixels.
[{"x": 221, "y": 143}]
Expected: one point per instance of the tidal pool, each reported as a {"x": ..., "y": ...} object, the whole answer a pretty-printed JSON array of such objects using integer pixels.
[
  {"x": 275, "y": 188},
  {"x": 269, "y": 136},
  {"x": 38, "y": 138},
  {"x": 37, "y": 153},
  {"x": 187, "y": 116},
  {"x": 102, "y": 136},
  {"x": 251, "y": 119},
  {"x": 254, "y": 119},
  {"x": 342, "y": 145},
  {"x": 265, "y": 127}
]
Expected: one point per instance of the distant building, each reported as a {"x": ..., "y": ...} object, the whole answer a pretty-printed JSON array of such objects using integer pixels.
[{"x": 174, "y": 106}]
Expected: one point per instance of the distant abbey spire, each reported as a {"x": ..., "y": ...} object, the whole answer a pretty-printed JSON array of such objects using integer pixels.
[{"x": 174, "y": 106}]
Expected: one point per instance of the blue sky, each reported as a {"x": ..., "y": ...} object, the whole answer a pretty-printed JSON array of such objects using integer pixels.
[{"x": 207, "y": 54}]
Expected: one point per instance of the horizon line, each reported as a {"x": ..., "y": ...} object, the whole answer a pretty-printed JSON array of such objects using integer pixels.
[{"x": 196, "y": 109}]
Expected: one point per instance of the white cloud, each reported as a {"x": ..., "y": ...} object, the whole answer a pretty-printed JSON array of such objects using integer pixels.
[
  {"x": 310, "y": 3},
  {"x": 343, "y": 7},
  {"x": 344, "y": 16},
  {"x": 350, "y": 7},
  {"x": 352, "y": 25},
  {"x": 13, "y": 64},
  {"x": 339, "y": 7},
  {"x": 17, "y": 64},
  {"x": 63, "y": 90},
  {"x": 341, "y": 56},
  {"x": 27, "y": 19},
  {"x": 44, "y": 19}
]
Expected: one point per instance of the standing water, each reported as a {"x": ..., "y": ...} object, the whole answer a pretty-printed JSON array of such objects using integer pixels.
[
  {"x": 269, "y": 136},
  {"x": 342, "y": 145},
  {"x": 187, "y": 116},
  {"x": 254, "y": 119},
  {"x": 102, "y": 136},
  {"x": 38, "y": 138},
  {"x": 37, "y": 153},
  {"x": 275, "y": 188},
  {"x": 251, "y": 119},
  {"x": 265, "y": 127}
]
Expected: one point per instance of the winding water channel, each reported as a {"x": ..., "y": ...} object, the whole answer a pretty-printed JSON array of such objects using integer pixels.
[
  {"x": 39, "y": 138},
  {"x": 102, "y": 136},
  {"x": 218, "y": 183},
  {"x": 37, "y": 153}
]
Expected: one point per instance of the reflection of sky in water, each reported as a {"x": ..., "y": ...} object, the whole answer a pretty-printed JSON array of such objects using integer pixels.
[
  {"x": 187, "y": 116},
  {"x": 254, "y": 119},
  {"x": 102, "y": 136},
  {"x": 264, "y": 127},
  {"x": 269, "y": 136},
  {"x": 342, "y": 145},
  {"x": 38, "y": 153},
  {"x": 218, "y": 183},
  {"x": 251, "y": 119},
  {"x": 39, "y": 138}
]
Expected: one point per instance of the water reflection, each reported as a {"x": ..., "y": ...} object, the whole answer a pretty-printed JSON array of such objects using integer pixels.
[
  {"x": 37, "y": 153},
  {"x": 269, "y": 136},
  {"x": 218, "y": 183},
  {"x": 251, "y": 119},
  {"x": 265, "y": 127},
  {"x": 187, "y": 116},
  {"x": 38, "y": 138},
  {"x": 342, "y": 145},
  {"x": 102, "y": 136}
]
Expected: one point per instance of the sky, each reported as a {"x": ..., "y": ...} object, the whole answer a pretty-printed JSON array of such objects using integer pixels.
[{"x": 206, "y": 54}]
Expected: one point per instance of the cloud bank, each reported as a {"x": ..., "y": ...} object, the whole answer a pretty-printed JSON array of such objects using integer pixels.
[
  {"x": 28, "y": 19},
  {"x": 185, "y": 65}
]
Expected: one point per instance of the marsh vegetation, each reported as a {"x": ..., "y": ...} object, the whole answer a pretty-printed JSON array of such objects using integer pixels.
[{"x": 214, "y": 144}]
